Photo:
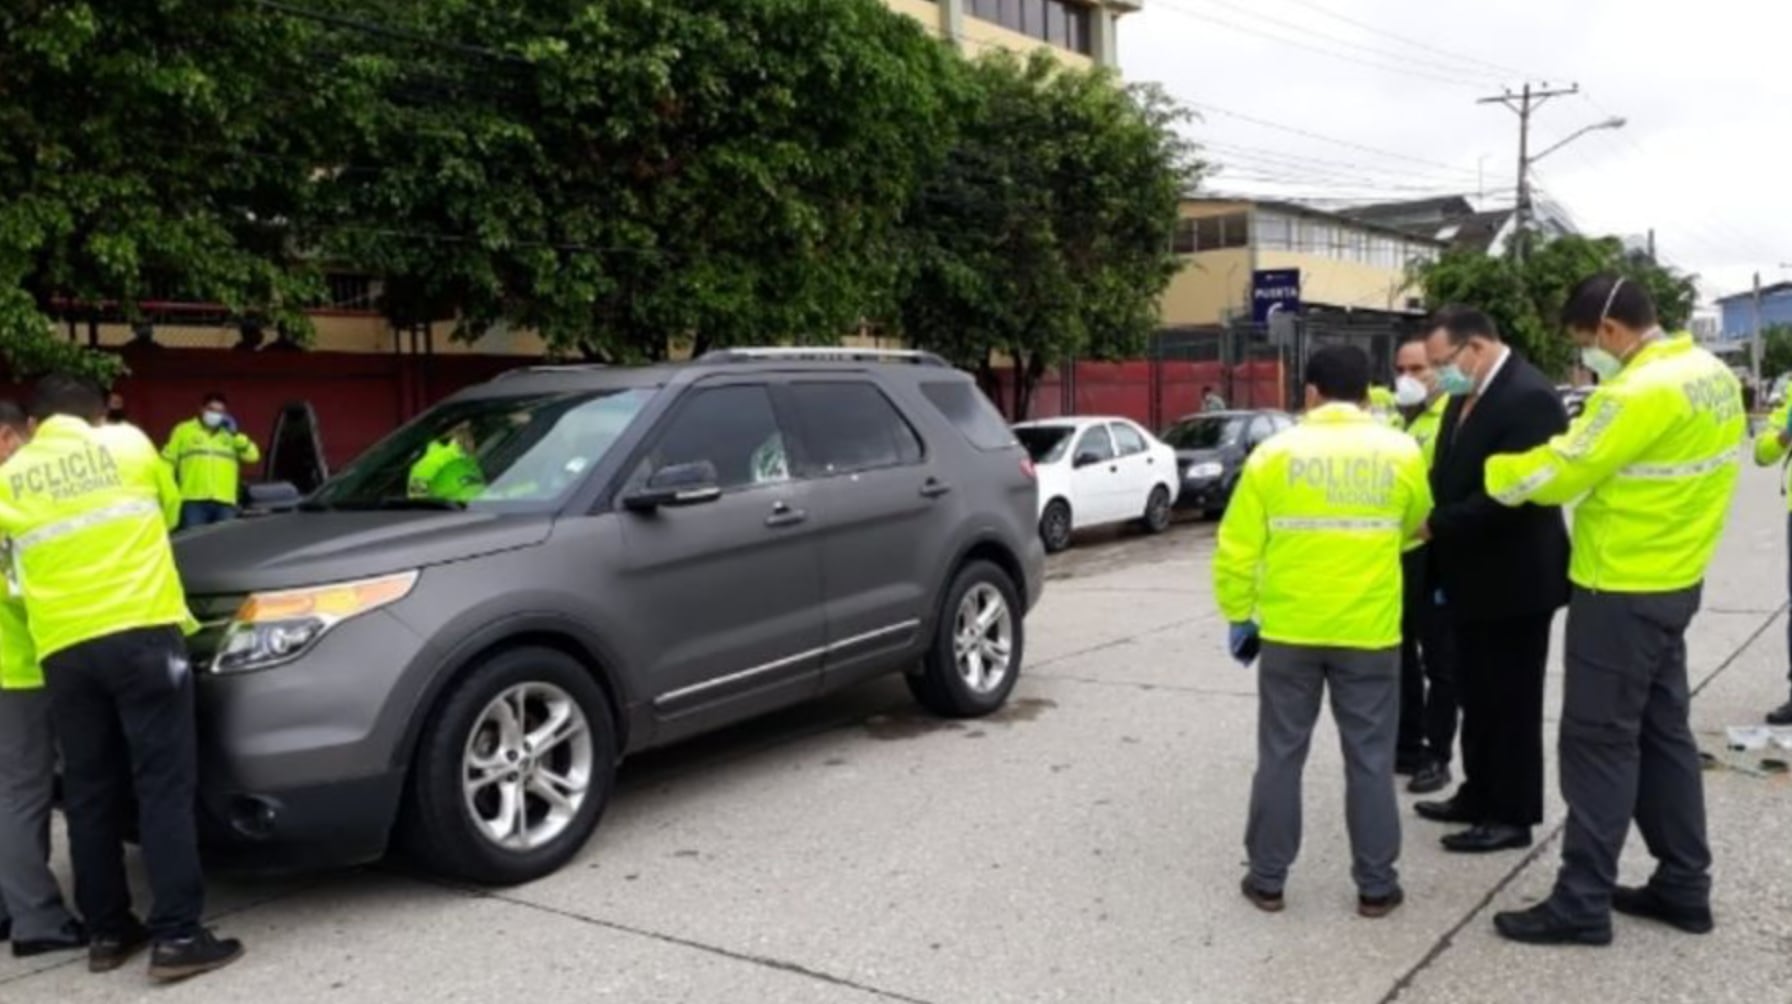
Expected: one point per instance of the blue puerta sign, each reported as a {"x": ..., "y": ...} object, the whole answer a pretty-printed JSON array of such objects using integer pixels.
[{"x": 1274, "y": 289}]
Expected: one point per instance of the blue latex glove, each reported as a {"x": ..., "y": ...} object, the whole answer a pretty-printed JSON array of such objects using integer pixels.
[
  {"x": 229, "y": 424},
  {"x": 1437, "y": 598},
  {"x": 1243, "y": 642}
]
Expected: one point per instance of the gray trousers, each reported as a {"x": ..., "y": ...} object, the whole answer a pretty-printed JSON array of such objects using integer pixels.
[
  {"x": 1627, "y": 751},
  {"x": 1365, "y": 695},
  {"x": 28, "y": 891}
]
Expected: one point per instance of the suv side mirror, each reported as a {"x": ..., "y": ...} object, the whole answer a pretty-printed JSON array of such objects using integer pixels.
[
  {"x": 676, "y": 486},
  {"x": 1088, "y": 459}
]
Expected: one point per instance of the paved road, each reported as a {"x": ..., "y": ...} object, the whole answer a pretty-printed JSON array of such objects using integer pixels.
[{"x": 1082, "y": 846}]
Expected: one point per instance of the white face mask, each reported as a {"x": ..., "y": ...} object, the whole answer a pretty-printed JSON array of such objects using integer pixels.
[
  {"x": 212, "y": 419},
  {"x": 1602, "y": 363},
  {"x": 1409, "y": 392}
]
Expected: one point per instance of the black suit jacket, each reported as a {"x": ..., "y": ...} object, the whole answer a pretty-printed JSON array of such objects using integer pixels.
[{"x": 1492, "y": 561}]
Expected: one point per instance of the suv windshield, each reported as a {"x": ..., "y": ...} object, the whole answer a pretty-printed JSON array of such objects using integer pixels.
[
  {"x": 1045, "y": 443},
  {"x": 492, "y": 453},
  {"x": 1207, "y": 433}
]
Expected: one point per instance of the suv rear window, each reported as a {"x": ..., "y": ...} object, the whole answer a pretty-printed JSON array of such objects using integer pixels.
[
  {"x": 853, "y": 427},
  {"x": 965, "y": 407}
]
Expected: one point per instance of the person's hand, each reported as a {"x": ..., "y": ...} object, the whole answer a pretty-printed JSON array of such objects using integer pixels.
[
  {"x": 1244, "y": 642},
  {"x": 1424, "y": 531},
  {"x": 229, "y": 424}
]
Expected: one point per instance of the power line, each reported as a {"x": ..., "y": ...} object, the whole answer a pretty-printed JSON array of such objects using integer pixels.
[
  {"x": 1505, "y": 71},
  {"x": 1299, "y": 44},
  {"x": 1326, "y": 166},
  {"x": 1400, "y": 58},
  {"x": 1297, "y": 131}
]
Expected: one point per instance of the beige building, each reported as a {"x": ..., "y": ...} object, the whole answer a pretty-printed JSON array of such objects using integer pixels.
[
  {"x": 1344, "y": 264},
  {"x": 1080, "y": 32}
]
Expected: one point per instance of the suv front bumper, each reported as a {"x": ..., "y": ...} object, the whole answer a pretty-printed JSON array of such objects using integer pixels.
[{"x": 298, "y": 767}]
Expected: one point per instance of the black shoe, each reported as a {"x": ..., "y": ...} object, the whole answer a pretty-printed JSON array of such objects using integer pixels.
[
  {"x": 1376, "y": 907},
  {"x": 1450, "y": 810},
  {"x": 1487, "y": 838},
  {"x": 1645, "y": 903},
  {"x": 107, "y": 952},
  {"x": 1434, "y": 778},
  {"x": 1540, "y": 926},
  {"x": 1265, "y": 901},
  {"x": 5, "y": 930},
  {"x": 1781, "y": 715},
  {"x": 183, "y": 958},
  {"x": 71, "y": 937},
  {"x": 1408, "y": 764}
]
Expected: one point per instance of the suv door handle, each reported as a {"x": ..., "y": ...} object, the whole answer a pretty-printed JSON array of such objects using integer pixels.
[
  {"x": 934, "y": 488},
  {"x": 784, "y": 515}
]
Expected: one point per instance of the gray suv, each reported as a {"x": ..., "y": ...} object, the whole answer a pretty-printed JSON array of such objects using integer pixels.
[{"x": 453, "y": 642}]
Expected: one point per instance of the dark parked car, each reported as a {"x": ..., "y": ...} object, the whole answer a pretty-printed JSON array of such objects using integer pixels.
[
  {"x": 627, "y": 558},
  {"x": 1210, "y": 451}
]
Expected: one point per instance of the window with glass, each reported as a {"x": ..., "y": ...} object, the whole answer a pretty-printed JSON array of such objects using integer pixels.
[
  {"x": 520, "y": 452},
  {"x": 853, "y": 427},
  {"x": 1128, "y": 439},
  {"x": 1063, "y": 23}
]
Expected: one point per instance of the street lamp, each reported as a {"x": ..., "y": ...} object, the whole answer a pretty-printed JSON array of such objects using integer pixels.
[{"x": 1615, "y": 122}]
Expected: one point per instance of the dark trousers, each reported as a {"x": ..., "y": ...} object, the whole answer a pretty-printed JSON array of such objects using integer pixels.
[
  {"x": 1500, "y": 668},
  {"x": 127, "y": 699},
  {"x": 1627, "y": 751},
  {"x": 193, "y": 514},
  {"x": 1789, "y": 593},
  {"x": 1427, "y": 670}
]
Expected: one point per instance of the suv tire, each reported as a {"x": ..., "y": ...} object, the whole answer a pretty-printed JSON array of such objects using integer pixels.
[
  {"x": 1055, "y": 526},
  {"x": 980, "y": 622},
  {"x": 474, "y": 763}
]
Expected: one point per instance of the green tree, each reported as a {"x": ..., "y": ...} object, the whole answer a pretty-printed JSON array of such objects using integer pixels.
[
  {"x": 148, "y": 147},
  {"x": 1526, "y": 299},
  {"x": 1046, "y": 235},
  {"x": 1776, "y": 351},
  {"x": 621, "y": 174}
]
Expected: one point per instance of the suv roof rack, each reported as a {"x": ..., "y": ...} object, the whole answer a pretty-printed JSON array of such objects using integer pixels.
[
  {"x": 551, "y": 368},
  {"x": 823, "y": 354}
]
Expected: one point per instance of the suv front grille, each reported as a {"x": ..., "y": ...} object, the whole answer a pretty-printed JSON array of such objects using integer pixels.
[{"x": 213, "y": 613}]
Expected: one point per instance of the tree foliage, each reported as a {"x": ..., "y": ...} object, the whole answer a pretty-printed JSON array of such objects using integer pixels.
[
  {"x": 1046, "y": 236},
  {"x": 1776, "y": 351},
  {"x": 1526, "y": 299}
]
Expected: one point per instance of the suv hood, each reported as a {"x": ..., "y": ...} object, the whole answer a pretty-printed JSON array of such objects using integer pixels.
[{"x": 305, "y": 548}]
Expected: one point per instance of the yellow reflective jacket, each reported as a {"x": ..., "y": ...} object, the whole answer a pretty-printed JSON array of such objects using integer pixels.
[
  {"x": 87, "y": 511},
  {"x": 208, "y": 462},
  {"x": 1768, "y": 448},
  {"x": 1310, "y": 544},
  {"x": 1423, "y": 428},
  {"x": 19, "y": 668},
  {"x": 445, "y": 471},
  {"x": 1385, "y": 408},
  {"x": 1655, "y": 454}
]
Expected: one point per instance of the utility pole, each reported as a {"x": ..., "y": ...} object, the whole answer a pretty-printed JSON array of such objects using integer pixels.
[
  {"x": 1651, "y": 244},
  {"x": 1523, "y": 104},
  {"x": 1755, "y": 341}
]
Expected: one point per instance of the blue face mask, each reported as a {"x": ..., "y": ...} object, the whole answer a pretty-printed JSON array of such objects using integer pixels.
[{"x": 1452, "y": 381}]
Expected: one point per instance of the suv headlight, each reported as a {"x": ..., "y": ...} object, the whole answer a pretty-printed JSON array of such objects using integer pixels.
[
  {"x": 1208, "y": 469},
  {"x": 272, "y": 628}
]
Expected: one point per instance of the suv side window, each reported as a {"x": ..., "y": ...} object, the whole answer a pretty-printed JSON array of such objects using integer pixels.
[
  {"x": 734, "y": 428},
  {"x": 851, "y": 426},
  {"x": 967, "y": 409},
  {"x": 1095, "y": 442},
  {"x": 1128, "y": 439}
]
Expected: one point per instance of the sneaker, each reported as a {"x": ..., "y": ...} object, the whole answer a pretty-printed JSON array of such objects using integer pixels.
[
  {"x": 108, "y": 951},
  {"x": 184, "y": 958},
  {"x": 1433, "y": 778},
  {"x": 1375, "y": 907}
]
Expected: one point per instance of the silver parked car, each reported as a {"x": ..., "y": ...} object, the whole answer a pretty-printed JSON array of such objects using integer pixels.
[{"x": 455, "y": 639}]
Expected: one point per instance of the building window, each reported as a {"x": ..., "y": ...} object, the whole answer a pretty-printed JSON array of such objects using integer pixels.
[
  {"x": 1184, "y": 242},
  {"x": 1274, "y": 232},
  {"x": 1227, "y": 230},
  {"x": 1063, "y": 23}
]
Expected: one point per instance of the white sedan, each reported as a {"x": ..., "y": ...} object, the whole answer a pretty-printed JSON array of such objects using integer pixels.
[{"x": 1096, "y": 472}]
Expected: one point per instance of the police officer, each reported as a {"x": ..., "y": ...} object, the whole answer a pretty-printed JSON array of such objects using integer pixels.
[
  {"x": 1384, "y": 407},
  {"x": 1308, "y": 560},
  {"x": 1771, "y": 448},
  {"x": 87, "y": 510},
  {"x": 32, "y": 911},
  {"x": 1653, "y": 461},
  {"x": 208, "y": 453},
  {"x": 448, "y": 470},
  {"x": 1428, "y": 709}
]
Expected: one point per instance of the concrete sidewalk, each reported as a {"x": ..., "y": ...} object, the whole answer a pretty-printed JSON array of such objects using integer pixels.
[{"x": 1085, "y": 845}]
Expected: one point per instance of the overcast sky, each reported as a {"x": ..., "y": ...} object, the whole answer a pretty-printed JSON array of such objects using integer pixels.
[{"x": 1705, "y": 159}]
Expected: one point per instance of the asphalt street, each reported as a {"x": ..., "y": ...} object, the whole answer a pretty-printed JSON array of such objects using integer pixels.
[{"x": 1084, "y": 845}]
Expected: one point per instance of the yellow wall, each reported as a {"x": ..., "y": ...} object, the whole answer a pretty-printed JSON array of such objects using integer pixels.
[
  {"x": 1342, "y": 283},
  {"x": 924, "y": 11},
  {"x": 1212, "y": 286}
]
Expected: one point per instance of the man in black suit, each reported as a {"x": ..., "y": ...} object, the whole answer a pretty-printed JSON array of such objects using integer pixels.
[{"x": 1503, "y": 574}]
